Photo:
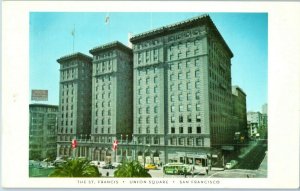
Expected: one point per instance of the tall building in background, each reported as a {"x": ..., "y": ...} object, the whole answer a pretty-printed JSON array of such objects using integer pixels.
[
  {"x": 264, "y": 109},
  {"x": 254, "y": 117},
  {"x": 112, "y": 107},
  {"x": 239, "y": 109},
  {"x": 182, "y": 90},
  {"x": 75, "y": 93},
  {"x": 42, "y": 131}
]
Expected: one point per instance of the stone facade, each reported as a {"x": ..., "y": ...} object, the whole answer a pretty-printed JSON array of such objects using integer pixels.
[
  {"x": 239, "y": 109},
  {"x": 42, "y": 131},
  {"x": 182, "y": 88},
  {"x": 168, "y": 99},
  {"x": 75, "y": 93},
  {"x": 111, "y": 96}
]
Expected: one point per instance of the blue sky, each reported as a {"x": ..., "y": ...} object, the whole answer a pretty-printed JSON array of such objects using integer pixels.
[{"x": 50, "y": 38}]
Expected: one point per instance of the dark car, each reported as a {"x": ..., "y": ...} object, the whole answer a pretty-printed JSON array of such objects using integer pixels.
[{"x": 109, "y": 166}]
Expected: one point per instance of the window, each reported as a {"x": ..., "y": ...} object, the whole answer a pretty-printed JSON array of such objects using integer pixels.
[
  {"x": 197, "y": 73},
  {"x": 181, "y": 141},
  {"x": 148, "y": 130},
  {"x": 155, "y": 119},
  {"x": 172, "y": 108},
  {"x": 96, "y": 122},
  {"x": 140, "y": 130},
  {"x": 197, "y": 95},
  {"x": 109, "y": 113},
  {"x": 96, "y": 130},
  {"x": 147, "y": 80},
  {"x": 148, "y": 140},
  {"x": 155, "y": 99},
  {"x": 109, "y": 121},
  {"x": 172, "y": 77},
  {"x": 188, "y": 85},
  {"x": 155, "y": 89},
  {"x": 189, "y": 118},
  {"x": 197, "y": 107},
  {"x": 180, "y": 97},
  {"x": 147, "y": 90},
  {"x": 189, "y": 129},
  {"x": 198, "y": 118},
  {"x": 197, "y": 85},
  {"x": 155, "y": 109},
  {"x": 189, "y": 96},
  {"x": 148, "y": 110},
  {"x": 140, "y": 110},
  {"x": 147, "y": 100},
  {"x": 156, "y": 140},
  {"x": 188, "y": 75},
  {"x": 148, "y": 120},
  {"x": 180, "y": 119},
  {"x": 179, "y": 86},
  {"x": 199, "y": 142},
  {"x": 172, "y": 87},
  {"x": 181, "y": 108},
  {"x": 173, "y": 141},
  {"x": 172, "y": 129},
  {"x": 180, "y": 129},
  {"x": 155, "y": 79},
  {"x": 179, "y": 66},
  {"x": 190, "y": 141},
  {"x": 172, "y": 98},
  {"x": 140, "y": 120},
  {"x": 172, "y": 119},
  {"x": 108, "y": 130},
  {"x": 140, "y": 100},
  {"x": 180, "y": 76},
  {"x": 155, "y": 129},
  {"x": 199, "y": 129}
]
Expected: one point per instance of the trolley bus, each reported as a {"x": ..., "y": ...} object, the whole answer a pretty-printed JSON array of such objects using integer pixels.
[
  {"x": 177, "y": 168},
  {"x": 181, "y": 169}
]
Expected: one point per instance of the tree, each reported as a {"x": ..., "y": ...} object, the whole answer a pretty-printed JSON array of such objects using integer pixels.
[
  {"x": 131, "y": 169},
  {"x": 76, "y": 168}
]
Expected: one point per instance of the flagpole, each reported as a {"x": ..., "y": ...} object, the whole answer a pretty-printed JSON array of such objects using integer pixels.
[{"x": 73, "y": 34}]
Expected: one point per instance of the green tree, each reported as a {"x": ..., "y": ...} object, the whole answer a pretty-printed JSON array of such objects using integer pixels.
[
  {"x": 76, "y": 168},
  {"x": 131, "y": 169}
]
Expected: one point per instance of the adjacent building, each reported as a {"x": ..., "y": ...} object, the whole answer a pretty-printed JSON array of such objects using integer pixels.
[
  {"x": 182, "y": 90},
  {"x": 75, "y": 99},
  {"x": 112, "y": 100},
  {"x": 42, "y": 131},
  {"x": 239, "y": 112}
]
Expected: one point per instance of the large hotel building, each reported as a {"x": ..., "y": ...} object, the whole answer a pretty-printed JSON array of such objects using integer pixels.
[{"x": 169, "y": 98}]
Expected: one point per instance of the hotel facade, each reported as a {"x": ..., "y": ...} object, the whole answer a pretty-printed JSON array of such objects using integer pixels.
[{"x": 168, "y": 99}]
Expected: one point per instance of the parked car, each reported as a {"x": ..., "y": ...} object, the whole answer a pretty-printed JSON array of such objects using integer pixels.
[
  {"x": 231, "y": 164},
  {"x": 150, "y": 167},
  {"x": 108, "y": 166}
]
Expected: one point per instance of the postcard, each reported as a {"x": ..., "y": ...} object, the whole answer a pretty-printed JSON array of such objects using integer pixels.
[{"x": 150, "y": 94}]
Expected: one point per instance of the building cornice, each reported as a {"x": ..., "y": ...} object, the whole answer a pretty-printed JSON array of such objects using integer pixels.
[
  {"x": 110, "y": 46},
  {"x": 169, "y": 29},
  {"x": 74, "y": 56}
]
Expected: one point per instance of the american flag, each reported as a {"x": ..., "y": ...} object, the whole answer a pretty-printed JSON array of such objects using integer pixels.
[
  {"x": 115, "y": 145},
  {"x": 74, "y": 143}
]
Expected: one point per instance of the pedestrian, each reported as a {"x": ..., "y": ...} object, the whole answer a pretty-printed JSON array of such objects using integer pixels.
[
  {"x": 107, "y": 173},
  {"x": 247, "y": 176},
  {"x": 206, "y": 171},
  {"x": 185, "y": 172}
]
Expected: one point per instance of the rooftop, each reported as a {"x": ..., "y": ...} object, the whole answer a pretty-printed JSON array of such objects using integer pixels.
[
  {"x": 109, "y": 46},
  {"x": 77, "y": 55},
  {"x": 195, "y": 21},
  {"x": 42, "y": 105}
]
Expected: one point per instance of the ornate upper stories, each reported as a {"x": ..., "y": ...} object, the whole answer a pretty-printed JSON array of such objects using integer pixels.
[
  {"x": 107, "y": 50},
  {"x": 191, "y": 28},
  {"x": 74, "y": 56}
]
